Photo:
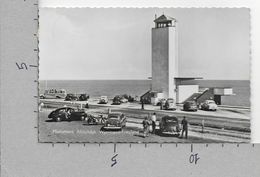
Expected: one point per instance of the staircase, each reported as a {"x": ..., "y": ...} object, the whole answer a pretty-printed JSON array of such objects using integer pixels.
[
  {"x": 146, "y": 97},
  {"x": 205, "y": 94}
]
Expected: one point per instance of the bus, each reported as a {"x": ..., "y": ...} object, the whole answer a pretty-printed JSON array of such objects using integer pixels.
[{"x": 54, "y": 93}]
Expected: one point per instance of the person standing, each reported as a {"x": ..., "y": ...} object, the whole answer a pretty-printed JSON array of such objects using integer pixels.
[
  {"x": 142, "y": 102},
  {"x": 145, "y": 126},
  {"x": 86, "y": 106},
  {"x": 184, "y": 123},
  {"x": 153, "y": 123}
]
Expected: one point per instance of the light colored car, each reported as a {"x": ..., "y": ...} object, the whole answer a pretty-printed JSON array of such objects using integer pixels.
[
  {"x": 54, "y": 93},
  {"x": 103, "y": 100},
  {"x": 170, "y": 104},
  {"x": 209, "y": 105},
  {"x": 123, "y": 100}
]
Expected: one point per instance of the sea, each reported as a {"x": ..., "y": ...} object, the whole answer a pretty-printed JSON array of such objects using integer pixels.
[{"x": 110, "y": 88}]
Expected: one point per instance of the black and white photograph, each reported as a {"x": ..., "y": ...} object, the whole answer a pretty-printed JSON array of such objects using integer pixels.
[{"x": 144, "y": 75}]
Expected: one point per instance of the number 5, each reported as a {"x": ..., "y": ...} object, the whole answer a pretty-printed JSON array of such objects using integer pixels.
[{"x": 21, "y": 66}]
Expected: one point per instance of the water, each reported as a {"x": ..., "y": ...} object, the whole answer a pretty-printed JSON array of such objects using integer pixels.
[{"x": 110, "y": 88}]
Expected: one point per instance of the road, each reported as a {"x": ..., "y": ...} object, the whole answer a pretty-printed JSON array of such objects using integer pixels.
[{"x": 80, "y": 131}]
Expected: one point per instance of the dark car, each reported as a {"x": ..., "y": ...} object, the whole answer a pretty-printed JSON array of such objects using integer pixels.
[
  {"x": 67, "y": 113},
  {"x": 71, "y": 97},
  {"x": 170, "y": 125},
  {"x": 103, "y": 100},
  {"x": 115, "y": 120},
  {"x": 116, "y": 100},
  {"x": 83, "y": 97},
  {"x": 190, "y": 106}
]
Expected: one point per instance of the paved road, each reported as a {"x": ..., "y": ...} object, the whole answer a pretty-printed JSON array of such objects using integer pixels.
[
  {"x": 80, "y": 131},
  {"x": 235, "y": 124}
]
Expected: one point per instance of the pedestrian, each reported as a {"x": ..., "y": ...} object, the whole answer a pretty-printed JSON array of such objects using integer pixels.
[
  {"x": 86, "y": 106},
  {"x": 153, "y": 123},
  {"x": 146, "y": 127},
  {"x": 142, "y": 102},
  {"x": 41, "y": 106},
  {"x": 184, "y": 123}
]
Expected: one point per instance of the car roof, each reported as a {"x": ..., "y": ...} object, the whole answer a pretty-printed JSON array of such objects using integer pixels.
[
  {"x": 115, "y": 113},
  {"x": 210, "y": 101},
  {"x": 169, "y": 117},
  {"x": 64, "y": 108}
]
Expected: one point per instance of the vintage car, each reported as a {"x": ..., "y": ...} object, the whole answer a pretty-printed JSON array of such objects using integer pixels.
[
  {"x": 123, "y": 100},
  {"x": 169, "y": 125},
  {"x": 68, "y": 114},
  {"x": 190, "y": 106},
  {"x": 83, "y": 97},
  {"x": 103, "y": 100},
  {"x": 115, "y": 120},
  {"x": 71, "y": 97},
  {"x": 116, "y": 100},
  {"x": 54, "y": 93},
  {"x": 209, "y": 105},
  {"x": 170, "y": 104},
  {"x": 161, "y": 102}
]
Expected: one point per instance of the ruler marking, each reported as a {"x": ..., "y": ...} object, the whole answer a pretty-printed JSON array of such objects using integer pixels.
[
  {"x": 115, "y": 148},
  {"x": 191, "y": 148},
  {"x": 35, "y": 66}
]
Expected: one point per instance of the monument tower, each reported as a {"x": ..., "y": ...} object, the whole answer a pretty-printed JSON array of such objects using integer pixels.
[{"x": 164, "y": 56}]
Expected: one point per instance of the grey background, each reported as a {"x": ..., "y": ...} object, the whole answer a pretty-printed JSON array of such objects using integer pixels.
[
  {"x": 115, "y": 43},
  {"x": 23, "y": 156}
]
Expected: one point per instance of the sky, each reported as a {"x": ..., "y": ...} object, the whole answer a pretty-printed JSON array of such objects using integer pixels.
[{"x": 115, "y": 43}]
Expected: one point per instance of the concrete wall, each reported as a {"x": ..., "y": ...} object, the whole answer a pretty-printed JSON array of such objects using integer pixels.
[
  {"x": 185, "y": 91},
  {"x": 164, "y": 61}
]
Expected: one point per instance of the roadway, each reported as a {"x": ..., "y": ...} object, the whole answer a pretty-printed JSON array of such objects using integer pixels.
[{"x": 217, "y": 129}]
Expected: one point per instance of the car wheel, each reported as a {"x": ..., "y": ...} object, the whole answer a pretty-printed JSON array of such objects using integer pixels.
[{"x": 58, "y": 119}]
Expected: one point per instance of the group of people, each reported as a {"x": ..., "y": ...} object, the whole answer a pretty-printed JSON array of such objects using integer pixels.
[{"x": 150, "y": 125}]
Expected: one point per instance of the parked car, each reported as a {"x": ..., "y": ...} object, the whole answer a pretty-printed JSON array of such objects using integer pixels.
[
  {"x": 103, "y": 100},
  {"x": 68, "y": 114},
  {"x": 170, "y": 125},
  {"x": 54, "y": 93},
  {"x": 170, "y": 104},
  {"x": 115, "y": 120},
  {"x": 83, "y": 97},
  {"x": 116, "y": 100},
  {"x": 71, "y": 97},
  {"x": 209, "y": 105},
  {"x": 161, "y": 102},
  {"x": 123, "y": 100},
  {"x": 190, "y": 106}
]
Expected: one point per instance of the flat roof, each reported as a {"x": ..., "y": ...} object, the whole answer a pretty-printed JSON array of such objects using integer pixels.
[{"x": 188, "y": 78}]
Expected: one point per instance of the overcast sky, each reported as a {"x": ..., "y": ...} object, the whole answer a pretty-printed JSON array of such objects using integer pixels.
[{"x": 85, "y": 43}]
